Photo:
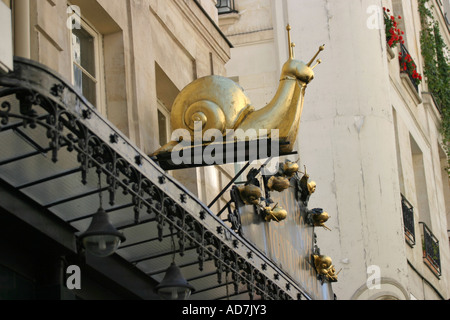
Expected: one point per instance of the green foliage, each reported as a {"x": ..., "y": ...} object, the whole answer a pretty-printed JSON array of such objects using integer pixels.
[{"x": 437, "y": 68}]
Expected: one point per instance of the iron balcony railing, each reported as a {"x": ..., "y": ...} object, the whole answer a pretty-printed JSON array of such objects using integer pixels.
[
  {"x": 225, "y": 6},
  {"x": 430, "y": 247},
  {"x": 405, "y": 55},
  {"x": 408, "y": 221}
]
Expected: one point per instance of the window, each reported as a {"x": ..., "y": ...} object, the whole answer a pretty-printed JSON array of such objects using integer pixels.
[
  {"x": 163, "y": 124},
  {"x": 225, "y": 6},
  {"x": 87, "y": 62},
  {"x": 166, "y": 92},
  {"x": 430, "y": 249},
  {"x": 6, "y": 52},
  {"x": 420, "y": 179}
]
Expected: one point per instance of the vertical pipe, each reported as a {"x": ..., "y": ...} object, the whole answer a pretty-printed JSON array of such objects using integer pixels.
[{"x": 22, "y": 36}]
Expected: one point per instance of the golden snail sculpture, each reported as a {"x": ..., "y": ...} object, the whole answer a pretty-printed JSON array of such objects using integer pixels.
[
  {"x": 319, "y": 217},
  {"x": 216, "y": 102},
  {"x": 277, "y": 183},
  {"x": 276, "y": 213},
  {"x": 281, "y": 181},
  {"x": 250, "y": 194},
  {"x": 325, "y": 268},
  {"x": 290, "y": 169}
]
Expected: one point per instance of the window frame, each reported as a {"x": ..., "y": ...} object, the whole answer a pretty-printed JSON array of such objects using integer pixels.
[
  {"x": 98, "y": 78},
  {"x": 163, "y": 109}
]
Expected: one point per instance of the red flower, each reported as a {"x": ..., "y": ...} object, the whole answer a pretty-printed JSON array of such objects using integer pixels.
[{"x": 393, "y": 32}]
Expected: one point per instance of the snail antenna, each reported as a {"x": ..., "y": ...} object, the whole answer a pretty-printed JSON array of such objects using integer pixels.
[
  {"x": 290, "y": 44},
  {"x": 321, "y": 48},
  {"x": 318, "y": 62}
]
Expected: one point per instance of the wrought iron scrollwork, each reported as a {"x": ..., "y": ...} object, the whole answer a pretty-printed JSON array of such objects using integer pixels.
[{"x": 5, "y": 108}]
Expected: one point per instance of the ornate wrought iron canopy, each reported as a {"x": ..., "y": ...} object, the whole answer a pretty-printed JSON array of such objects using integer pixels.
[{"x": 55, "y": 144}]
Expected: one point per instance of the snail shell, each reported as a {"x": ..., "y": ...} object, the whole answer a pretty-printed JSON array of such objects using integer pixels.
[
  {"x": 278, "y": 184},
  {"x": 290, "y": 169},
  {"x": 250, "y": 194},
  {"x": 217, "y": 102},
  {"x": 322, "y": 264},
  {"x": 320, "y": 219}
]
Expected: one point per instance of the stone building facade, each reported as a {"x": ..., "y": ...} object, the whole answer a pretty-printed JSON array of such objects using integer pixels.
[{"x": 368, "y": 137}]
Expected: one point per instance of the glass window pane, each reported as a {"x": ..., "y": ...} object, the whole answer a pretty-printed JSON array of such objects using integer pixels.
[
  {"x": 162, "y": 126},
  {"x": 76, "y": 49},
  {"x": 89, "y": 89},
  {"x": 78, "y": 77},
  {"x": 86, "y": 50}
]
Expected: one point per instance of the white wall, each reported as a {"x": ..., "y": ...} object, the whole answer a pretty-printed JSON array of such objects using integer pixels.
[{"x": 346, "y": 140}]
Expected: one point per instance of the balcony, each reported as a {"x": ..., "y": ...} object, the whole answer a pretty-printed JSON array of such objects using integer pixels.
[
  {"x": 430, "y": 247},
  {"x": 408, "y": 66},
  {"x": 408, "y": 222},
  {"x": 226, "y": 6}
]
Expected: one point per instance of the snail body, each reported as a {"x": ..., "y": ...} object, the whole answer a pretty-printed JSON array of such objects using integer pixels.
[{"x": 278, "y": 214}]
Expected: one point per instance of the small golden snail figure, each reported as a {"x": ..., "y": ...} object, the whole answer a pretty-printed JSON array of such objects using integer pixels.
[
  {"x": 277, "y": 183},
  {"x": 290, "y": 169},
  {"x": 216, "y": 102},
  {"x": 325, "y": 268},
  {"x": 276, "y": 213},
  {"x": 319, "y": 217},
  {"x": 281, "y": 181},
  {"x": 306, "y": 187},
  {"x": 250, "y": 194}
]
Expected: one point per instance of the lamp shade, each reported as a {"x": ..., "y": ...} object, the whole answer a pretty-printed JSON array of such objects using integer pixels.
[
  {"x": 174, "y": 286},
  {"x": 101, "y": 238}
]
